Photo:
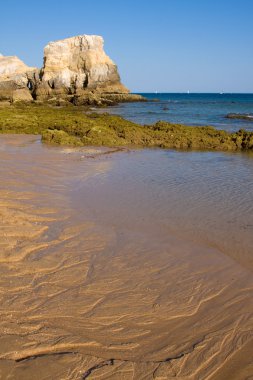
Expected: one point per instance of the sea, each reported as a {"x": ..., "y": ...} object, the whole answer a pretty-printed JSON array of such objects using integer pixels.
[{"x": 189, "y": 109}]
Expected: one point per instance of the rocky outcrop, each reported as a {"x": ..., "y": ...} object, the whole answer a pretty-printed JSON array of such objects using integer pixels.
[
  {"x": 77, "y": 65},
  {"x": 241, "y": 116},
  {"x": 17, "y": 80},
  {"x": 75, "y": 69}
]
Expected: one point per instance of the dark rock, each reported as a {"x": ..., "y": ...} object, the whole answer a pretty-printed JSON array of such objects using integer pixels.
[{"x": 240, "y": 116}]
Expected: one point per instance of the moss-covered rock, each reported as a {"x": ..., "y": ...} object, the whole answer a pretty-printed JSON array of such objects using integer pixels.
[
  {"x": 76, "y": 126},
  {"x": 58, "y": 137}
]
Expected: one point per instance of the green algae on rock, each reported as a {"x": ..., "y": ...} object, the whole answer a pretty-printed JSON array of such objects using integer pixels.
[{"x": 77, "y": 126}]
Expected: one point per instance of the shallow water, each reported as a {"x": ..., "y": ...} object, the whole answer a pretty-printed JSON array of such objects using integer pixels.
[
  {"x": 206, "y": 197},
  {"x": 189, "y": 109},
  {"x": 127, "y": 264}
]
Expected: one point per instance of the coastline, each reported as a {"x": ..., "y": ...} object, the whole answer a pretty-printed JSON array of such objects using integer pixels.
[
  {"x": 77, "y": 126},
  {"x": 81, "y": 296}
]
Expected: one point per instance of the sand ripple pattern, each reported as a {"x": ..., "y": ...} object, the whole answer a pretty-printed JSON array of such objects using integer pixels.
[{"x": 85, "y": 300}]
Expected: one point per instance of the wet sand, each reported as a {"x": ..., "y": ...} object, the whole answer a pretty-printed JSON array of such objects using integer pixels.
[{"x": 84, "y": 296}]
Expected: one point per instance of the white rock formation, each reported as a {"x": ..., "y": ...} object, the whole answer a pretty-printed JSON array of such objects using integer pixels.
[
  {"x": 79, "y": 63},
  {"x": 15, "y": 79},
  {"x": 74, "y": 69},
  {"x": 12, "y": 68}
]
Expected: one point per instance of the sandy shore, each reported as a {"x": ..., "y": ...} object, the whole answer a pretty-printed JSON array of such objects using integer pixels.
[{"x": 82, "y": 299}]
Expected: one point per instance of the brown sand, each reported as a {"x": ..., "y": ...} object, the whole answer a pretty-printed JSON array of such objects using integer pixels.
[{"x": 80, "y": 300}]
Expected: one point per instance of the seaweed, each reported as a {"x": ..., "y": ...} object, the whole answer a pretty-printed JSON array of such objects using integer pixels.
[{"x": 77, "y": 126}]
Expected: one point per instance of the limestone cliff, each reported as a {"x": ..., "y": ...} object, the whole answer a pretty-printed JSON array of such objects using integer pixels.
[
  {"x": 79, "y": 64},
  {"x": 75, "y": 69}
]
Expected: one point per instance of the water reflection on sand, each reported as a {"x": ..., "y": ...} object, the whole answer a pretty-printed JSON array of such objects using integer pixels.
[{"x": 125, "y": 264}]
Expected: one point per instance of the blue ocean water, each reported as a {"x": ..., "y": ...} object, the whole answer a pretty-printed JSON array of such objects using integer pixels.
[{"x": 189, "y": 109}]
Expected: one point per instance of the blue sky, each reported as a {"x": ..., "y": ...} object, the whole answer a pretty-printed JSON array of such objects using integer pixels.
[{"x": 160, "y": 45}]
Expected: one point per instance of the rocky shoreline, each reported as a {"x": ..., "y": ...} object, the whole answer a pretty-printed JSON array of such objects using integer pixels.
[
  {"x": 54, "y": 101},
  {"x": 78, "y": 126}
]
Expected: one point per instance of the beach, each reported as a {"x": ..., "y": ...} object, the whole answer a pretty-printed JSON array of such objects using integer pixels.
[
  {"x": 126, "y": 191},
  {"x": 124, "y": 264}
]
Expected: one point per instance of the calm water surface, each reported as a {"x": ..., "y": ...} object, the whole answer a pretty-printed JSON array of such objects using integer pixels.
[
  {"x": 202, "y": 196},
  {"x": 189, "y": 109},
  {"x": 206, "y": 197}
]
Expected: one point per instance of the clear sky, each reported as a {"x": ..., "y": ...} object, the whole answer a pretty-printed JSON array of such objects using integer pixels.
[{"x": 158, "y": 45}]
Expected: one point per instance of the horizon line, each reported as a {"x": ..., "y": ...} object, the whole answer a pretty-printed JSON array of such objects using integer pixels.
[{"x": 190, "y": 93}]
